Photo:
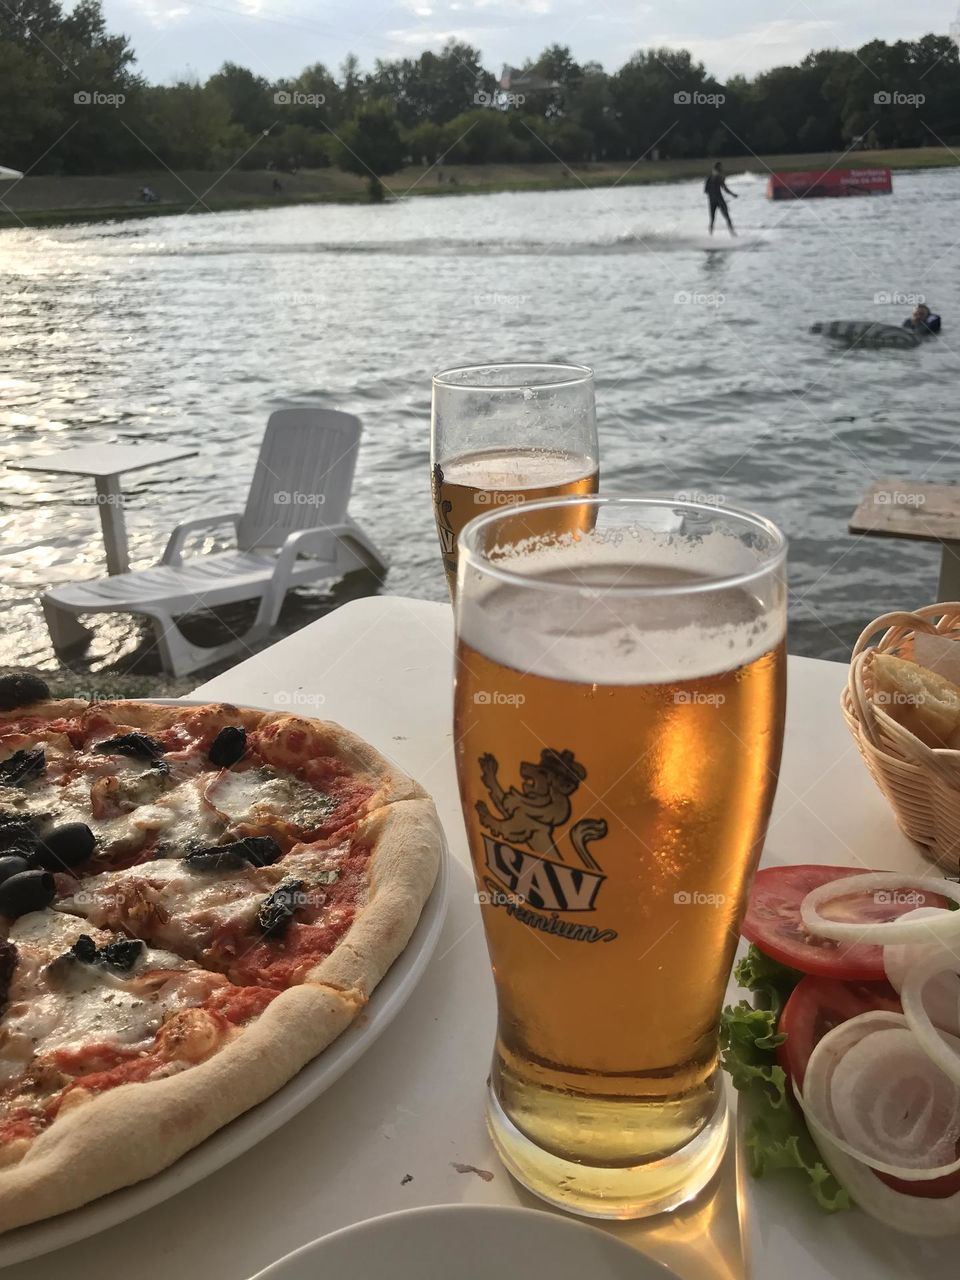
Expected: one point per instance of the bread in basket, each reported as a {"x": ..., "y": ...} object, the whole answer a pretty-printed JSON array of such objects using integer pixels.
[{"x": 921, "y": 781}]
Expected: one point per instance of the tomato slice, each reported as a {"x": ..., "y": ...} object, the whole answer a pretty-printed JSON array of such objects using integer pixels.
[
  {"x": 773, "y": 921},
  {"x": 930, "y": 1189},
  {"x": 816, "y": 1006}
]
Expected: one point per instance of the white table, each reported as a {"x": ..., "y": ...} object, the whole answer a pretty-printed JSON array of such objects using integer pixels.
[
  {"x": 105, "y": 463},
  {"x": 414, "y": 1103}
]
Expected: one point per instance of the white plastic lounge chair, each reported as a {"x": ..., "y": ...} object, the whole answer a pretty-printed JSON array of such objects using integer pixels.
[{"x": 294, "y": 529}]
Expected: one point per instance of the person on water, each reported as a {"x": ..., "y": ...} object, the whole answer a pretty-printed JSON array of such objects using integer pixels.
[
  {"x": 923, "y": 321},
  {"x": 715, "y": 186}
]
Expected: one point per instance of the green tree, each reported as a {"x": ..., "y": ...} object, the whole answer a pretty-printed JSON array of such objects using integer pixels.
[
  {"x": 649, "y": 95},
  {"x": 188, "y": 124},
  {"x": 480, "y": 137},
  {"x": 50, "y": 61},
  {"x": 426, "y": 142},
  {"x": 248, "y": 97},
  {"x": 435, "y": 87},
  {"x": 351, "y": 85},
  {"x": 560, "y": 69},
  {"x": 768, "y": 138},
  {"x": 27, "y": 106},
  {"x": 591, "y": 106},
  {"x": 371, "y": 145}
]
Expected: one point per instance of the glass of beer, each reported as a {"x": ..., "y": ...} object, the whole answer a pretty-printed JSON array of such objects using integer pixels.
[
  {"x": 506, "y": 434},
  {"x": 618, "y": 724}
]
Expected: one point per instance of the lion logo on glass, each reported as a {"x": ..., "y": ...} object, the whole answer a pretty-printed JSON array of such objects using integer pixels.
[{"x": 542, "y": 868}]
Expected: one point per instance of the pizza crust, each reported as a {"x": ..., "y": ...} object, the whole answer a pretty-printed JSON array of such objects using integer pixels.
[
  {"x": 51, "y": 710},
  {"x": 406, "y": 858},
  {"x": 132, "y": 1132}
]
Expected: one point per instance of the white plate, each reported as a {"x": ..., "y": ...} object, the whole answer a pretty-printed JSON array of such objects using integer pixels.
[
  {"x": 254, "y": 1125},
  {"x": 468, "y": 1242}
]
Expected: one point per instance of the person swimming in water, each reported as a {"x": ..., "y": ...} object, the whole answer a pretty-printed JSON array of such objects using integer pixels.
[
  {"x": 923, "y": 321},
  {"x": 715, "y": 186}
]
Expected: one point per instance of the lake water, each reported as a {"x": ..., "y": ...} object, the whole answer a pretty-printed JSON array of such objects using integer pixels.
[{"x": 189, "y": 330}]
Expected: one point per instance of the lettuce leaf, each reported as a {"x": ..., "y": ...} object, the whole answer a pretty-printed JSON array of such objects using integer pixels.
[
  {"x": 771, "y": 982},
  {"x": 774, "y": 1133}
]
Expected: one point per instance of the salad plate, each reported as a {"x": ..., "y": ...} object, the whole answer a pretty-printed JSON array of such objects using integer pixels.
[{"x": 817, "y": 1009}]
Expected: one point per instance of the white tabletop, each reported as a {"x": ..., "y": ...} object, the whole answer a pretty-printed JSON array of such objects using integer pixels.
[
  {"x": 103, "y": 460},
  {"x": 414, "y": 1104}
]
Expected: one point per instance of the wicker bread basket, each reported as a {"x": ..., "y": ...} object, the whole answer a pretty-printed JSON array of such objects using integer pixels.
[{"x": 922, "y": 783}]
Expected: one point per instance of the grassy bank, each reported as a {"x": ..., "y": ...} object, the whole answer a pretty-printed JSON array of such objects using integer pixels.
[{"x": 36, "y": 201}]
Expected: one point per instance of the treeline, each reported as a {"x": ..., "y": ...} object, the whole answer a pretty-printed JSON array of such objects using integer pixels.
[{"x": 72, "y": 102}]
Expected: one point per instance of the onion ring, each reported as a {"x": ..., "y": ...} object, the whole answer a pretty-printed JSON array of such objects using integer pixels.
[{"x": 946, "y": 925}]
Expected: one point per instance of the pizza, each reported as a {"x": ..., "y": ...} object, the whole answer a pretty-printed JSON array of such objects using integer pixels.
[{"x": 194, "y": 902}]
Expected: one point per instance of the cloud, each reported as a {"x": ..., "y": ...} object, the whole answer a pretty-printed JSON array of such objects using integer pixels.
[
  {"x": 421, "y": 38},
  {"x": 159, "y": 15},
  {"x": 755, "y": 49}
]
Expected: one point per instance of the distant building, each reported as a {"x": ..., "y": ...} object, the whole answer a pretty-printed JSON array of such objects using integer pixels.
[
  {"x": 955, "y": 28},
  {"x": 518, "y": 80}
]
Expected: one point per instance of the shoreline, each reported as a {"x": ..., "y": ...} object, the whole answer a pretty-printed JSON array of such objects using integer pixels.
[{"x": 49, "y": 201}]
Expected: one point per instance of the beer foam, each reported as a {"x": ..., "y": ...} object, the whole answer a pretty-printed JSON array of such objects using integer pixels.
[
  {"x": 518, "y": 469},
  {"x": 590, "y": 613}
]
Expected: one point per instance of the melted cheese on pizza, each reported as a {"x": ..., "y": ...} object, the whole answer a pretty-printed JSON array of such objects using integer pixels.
[
  {"x": 131, "y": 806},
  {"x": 58, "y": 1002},
  {"x": 124, "y": 802},
  {"x": 252, "y": 795},
  {"x": 171, "y": 903},
  {"x": 168, "y": 901}
]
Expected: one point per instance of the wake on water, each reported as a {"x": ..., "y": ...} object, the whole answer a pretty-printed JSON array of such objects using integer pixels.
[
  {"x": 671, "y": 241},
  {"x": 634, "y": 242}
]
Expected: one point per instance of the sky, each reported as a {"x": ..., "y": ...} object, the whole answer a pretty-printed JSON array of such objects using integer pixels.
[{"x": 277, "y": 38}]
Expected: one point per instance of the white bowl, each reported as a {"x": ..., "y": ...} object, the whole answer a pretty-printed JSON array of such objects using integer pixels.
[{"x": 469, "y": 1242}]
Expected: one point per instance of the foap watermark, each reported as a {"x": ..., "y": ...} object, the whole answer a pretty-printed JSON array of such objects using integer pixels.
[
  {"x": 292, "y": 301},
  {"x": 894, "y": 98},
  {"x": 502, "y": 301},
  {"x": 898, "y": 498},
  {"x": 899, "y": 898},
  {"x": 697, "y": 698},
  {"x": 695, "y": 898},
  {"x": 101, "y": 500},
  {"x": 498, "y": 898},
  {"x": 297, "y": 498},
  {"x": 702, "y": 499},
  {"x": 499, "y": 98},
  {"x": 298, "y": 698},
  {"x": 897, "y": 299},
  {"x": 697, "y": 98},
  {"x": 897, "y": 698},
  {"x": 684, "y": 298},
  {"x": 494, "y": 698},
  {"x": 94, "y": 98},
  {"x": 496, "y": 498},
  {"x": 295, "y": 98}
]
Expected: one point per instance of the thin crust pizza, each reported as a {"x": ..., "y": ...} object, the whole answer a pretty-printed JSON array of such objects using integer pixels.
[{"x": 194, "y": 902}]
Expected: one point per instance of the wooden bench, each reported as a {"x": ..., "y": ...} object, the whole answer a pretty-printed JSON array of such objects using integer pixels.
[{"x": 927, "y": 512}]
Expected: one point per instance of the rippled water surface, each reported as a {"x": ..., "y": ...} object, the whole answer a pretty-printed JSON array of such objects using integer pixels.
[{"x": 189, "y": 330}]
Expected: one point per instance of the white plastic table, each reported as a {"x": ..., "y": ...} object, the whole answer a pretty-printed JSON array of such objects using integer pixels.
[
  {"x": 388, "y": 1134},
  {"x": 105, "y": 463}
]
